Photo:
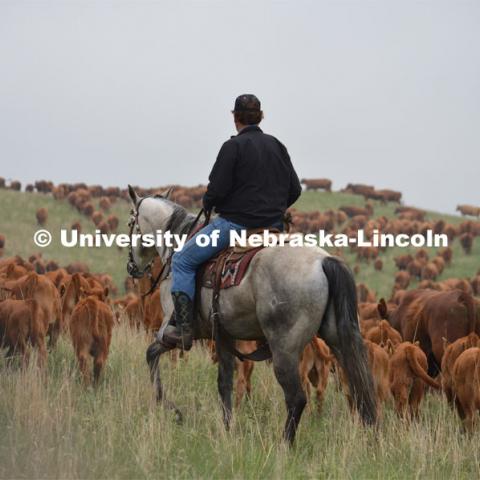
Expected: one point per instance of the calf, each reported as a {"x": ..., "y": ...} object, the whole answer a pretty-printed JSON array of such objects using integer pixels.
[
  {"x": 43, "y": 290},
  {"x": 21, "y": 323},
  {"x": 466, "y": 384},
  {"x": 379, "y": 366},
  {"x": 42, "y": 216},
  {"x": 466, "y": 241},
  {"x": 91, "y": 327},
  {"x": 408, "y": 376},
  {"x": 315, "y": 365},
  {"x": 452, "y": 352},
  {"x": 382, "y": 333}
]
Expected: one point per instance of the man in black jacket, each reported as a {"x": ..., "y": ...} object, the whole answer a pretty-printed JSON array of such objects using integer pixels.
[{"x": 251, "y": 185}]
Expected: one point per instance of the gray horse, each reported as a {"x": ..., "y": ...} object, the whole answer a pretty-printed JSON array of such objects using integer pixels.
[{"x": 288, "y": 295}]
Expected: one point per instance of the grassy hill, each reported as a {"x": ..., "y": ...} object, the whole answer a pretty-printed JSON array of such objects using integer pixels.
[
  {"x": 18, "y": 224},
  {"x": 53, "y": 427}
]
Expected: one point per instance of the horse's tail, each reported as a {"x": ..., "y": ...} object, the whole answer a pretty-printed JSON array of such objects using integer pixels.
[{"x": 344, "y": 336}]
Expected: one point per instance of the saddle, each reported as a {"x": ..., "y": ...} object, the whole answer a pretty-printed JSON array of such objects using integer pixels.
[{"x": 229, "y": 267}]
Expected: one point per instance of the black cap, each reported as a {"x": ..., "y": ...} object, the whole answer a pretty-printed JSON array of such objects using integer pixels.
[{"x": 247, "y": 103}]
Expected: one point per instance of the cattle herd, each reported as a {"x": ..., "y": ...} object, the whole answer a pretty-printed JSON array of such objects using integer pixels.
[{"x": 419, "y": 340}]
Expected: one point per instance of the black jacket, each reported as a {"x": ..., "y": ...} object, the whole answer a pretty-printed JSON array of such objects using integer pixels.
[{"x": 253, "y": 181}]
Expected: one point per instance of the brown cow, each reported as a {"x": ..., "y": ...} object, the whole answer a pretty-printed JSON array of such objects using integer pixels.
[
  {"x": 358, "y": 188},
  {"x": 429, "y": 271},
  {"x": 379, "y": 366},
  {"x": 408, "y": 375},
  {"x": 43, "y": 290},
  {"x": 447, "y": 254},
  {"x": 378, "y": 265},
  {"x": 77, "y": 267},
  {"x": 402, "y": 280},
  {"x": 21, "y": 323},
  {"x": 475, "y": 283},
  {"x": 97, "y": 218},
  {"x": 153, "y": 312},
  {"x": 112, "y": 222},
  {"x": 439, "y": 262},
  {"x": 91, "y": 332},
  {"x": 466, "y": 241},
  {"x": 76, "y": 226},
  {"x": 364, "y": 293},
  {"x": 403, "y": 261},
  {"x": 15, "y": 185},
  {"x": 42, "y": 216},
  {"x": 382, "y": 333},
  {"x": 87, "y": 208},
  {"x": 317, "y": 183},
  {"x": 452, "y": 352},
  {"x": 430, "y": 316},
  {"x": 134, "y": 312},
  {"x": 71, "y": 291},
  {"x": 352, "y": 211},
  {"x": 466, "y": 384},
  {"x": 244, "y": 371},
  {"x": 468, "y": 210},
  {"x": 315, "y": 364},
  {"x": 105, "y": 204}
]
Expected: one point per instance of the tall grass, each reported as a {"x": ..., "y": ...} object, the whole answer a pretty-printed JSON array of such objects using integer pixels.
[{"x": 52, "y": 427}]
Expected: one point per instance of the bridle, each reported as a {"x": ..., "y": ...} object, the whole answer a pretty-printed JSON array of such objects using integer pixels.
[{"x": 132, "y": 267}]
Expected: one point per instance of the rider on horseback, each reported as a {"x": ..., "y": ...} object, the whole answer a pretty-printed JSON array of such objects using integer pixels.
[{"x": 251, "y": 185}]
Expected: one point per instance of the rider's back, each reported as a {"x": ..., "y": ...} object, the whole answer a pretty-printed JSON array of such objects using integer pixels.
[{"x": 253, "y": 181}]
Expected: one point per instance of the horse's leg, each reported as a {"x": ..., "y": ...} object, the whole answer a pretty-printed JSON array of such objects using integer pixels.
[
  {"x": 154, "y": 351},
  {"x": 286, "y": 368},
  {"x": 226, "y": 366}
]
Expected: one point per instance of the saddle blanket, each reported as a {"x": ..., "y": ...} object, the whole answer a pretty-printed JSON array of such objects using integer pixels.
[{"x": 235, "y": 267}]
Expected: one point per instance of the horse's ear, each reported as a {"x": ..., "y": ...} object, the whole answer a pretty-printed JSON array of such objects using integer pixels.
[
  {"x": 167, "y": 193},
  {"x": 133, "y": 196}
]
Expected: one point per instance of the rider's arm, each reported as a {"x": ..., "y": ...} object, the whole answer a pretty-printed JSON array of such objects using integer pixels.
[
  {"x": 295, "y": 189},
  {"x": 221, "y": 176}
]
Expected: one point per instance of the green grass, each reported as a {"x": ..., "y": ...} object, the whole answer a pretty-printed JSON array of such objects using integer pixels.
[{"x": 53, "y": 427}]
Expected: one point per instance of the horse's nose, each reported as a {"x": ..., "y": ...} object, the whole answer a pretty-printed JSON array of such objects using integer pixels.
[{"x": 132, "y": 270}]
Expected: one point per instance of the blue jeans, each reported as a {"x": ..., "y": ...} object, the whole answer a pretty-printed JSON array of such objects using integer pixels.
[{"x": 186, "y": 262}]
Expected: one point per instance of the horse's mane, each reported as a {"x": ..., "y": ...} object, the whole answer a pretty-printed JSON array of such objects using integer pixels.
[{"x": 180, "y": 220}]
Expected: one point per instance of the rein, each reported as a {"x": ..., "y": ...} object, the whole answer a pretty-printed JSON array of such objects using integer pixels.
[
  {"x": 132, "y": 266},
  {"x": 169, "y": 260}
]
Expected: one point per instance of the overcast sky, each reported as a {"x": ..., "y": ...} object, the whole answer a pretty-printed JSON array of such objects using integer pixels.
[{"x": 114, "y": 92}]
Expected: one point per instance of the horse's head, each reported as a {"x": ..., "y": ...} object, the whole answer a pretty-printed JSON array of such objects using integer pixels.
[{"x": 140, "y": 257}]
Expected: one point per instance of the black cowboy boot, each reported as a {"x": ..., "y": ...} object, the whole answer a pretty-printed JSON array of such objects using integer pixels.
[{"x": 181, "y": 334}]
